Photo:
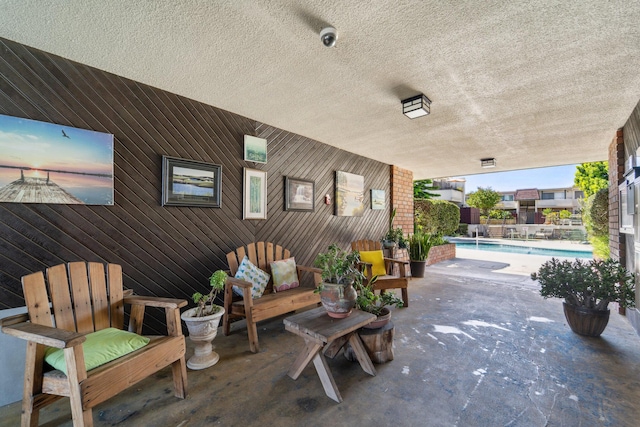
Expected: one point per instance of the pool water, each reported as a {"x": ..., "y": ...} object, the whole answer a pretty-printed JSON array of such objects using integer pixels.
[{"x": 525, "y": 250}]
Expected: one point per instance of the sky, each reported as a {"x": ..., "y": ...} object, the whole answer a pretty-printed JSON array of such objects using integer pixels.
[
  {"x": 551, "y": 177},
  {"x": 46, "y": 145}
]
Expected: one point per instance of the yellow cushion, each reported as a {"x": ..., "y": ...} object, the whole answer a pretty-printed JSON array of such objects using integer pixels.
[{"x": 376, "y": 259}]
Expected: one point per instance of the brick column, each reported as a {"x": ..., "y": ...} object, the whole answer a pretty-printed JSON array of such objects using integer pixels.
[
  {"x": 617, "y": 245},
  {"x": 402, "y": 201}
]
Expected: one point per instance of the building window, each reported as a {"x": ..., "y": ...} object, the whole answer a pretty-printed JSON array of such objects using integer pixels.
[
  {"x": 547, "y": 196},
  {"x": 507, "y": 197}
]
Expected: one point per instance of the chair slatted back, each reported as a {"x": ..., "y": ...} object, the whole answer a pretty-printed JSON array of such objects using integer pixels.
[
  {"x": 262, "y": 254},
  {"x": 366, "y": 245},
  {"x": 82, "y": 298}
]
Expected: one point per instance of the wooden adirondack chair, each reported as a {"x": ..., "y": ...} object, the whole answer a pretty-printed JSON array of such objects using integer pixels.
[
  {"x": 89, "y": 301},
  {"x": 270, "y": 304},
  {"x": 390, "y": 280}
]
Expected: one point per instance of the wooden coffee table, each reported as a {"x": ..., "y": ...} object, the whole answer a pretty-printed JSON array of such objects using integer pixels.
[{"x": 325, "y": 336}]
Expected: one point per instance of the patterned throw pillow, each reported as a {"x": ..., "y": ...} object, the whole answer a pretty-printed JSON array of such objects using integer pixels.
[
  {"x": 285, "y": 274},
  {"x": 252, "y": 274}
]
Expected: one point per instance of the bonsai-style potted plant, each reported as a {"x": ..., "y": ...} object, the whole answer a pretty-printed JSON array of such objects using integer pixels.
[
  {"x": 587, "y": 289},
  {"x": 202, "y": 322},
  {"x": 377, "y": 304},
  {"x": 419, "y": 246},
  {"x": 340, "y": 273},
  {"x": 394, "y": 236}
]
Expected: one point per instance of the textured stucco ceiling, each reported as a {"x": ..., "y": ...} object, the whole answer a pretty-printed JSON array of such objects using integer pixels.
[{"x": 532, "y": 84}]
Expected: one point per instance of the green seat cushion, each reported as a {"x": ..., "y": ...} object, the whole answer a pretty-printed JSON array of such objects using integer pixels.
[
  {"x": 376, "y": 259},
  {"x": 100, "y": 347}
]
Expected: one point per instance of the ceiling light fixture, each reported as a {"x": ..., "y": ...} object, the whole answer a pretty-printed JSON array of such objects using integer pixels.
[
  {"x": 416, "y": 106},
  {"x": 488, "y": 162}
]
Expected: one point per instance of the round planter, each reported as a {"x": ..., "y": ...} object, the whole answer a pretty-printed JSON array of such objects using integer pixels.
[
  {"x": 202, "y": 330},
  {"x": 383, "y": 318},
  {"x": 417, "y": 268},
  {"x": 586, "y": 321},
  {"x": 338, "y": 300},
  {"x": 388, "y": 244}
]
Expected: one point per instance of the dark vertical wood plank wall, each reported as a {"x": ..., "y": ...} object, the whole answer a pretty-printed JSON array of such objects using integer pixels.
[{"x": 167, "y": 251}]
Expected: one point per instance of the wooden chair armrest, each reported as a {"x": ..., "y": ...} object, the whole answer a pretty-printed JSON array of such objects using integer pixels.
[
  {"x": 12, "y": 320},
  {"x": 155, "y": 301},
  {"x": 231, "y": 281},
  {"x": 46, "y": 335},
  {"x": 309, "y": 269},
  {"x": 396, "y": 261}
]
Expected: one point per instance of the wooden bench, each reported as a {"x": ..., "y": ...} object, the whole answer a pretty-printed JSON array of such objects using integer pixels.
[
  {"x": 86, "y": 301},
  {"x": 271, "y": 304}
]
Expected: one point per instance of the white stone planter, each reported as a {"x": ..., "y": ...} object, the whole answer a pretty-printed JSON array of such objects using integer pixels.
[{"x": 202, "y": 330}]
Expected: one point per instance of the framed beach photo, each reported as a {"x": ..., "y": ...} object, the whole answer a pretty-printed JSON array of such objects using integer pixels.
[
  {"x": 43, "y": 162},
  {"x": 299, "y": 195},
  {"x": 191, "y": 183},
  {"x": 377, "y": 199},
  {"x": 349, "y": 194},
  {"x": 254, "y": 194},
  {"x": 255, "y": 149}
]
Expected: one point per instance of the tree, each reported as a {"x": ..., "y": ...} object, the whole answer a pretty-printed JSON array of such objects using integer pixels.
[
  {"x": 421, "y": 189},
  {"x": 484, "y": 199},
  {"x": 591, "y": 177}
]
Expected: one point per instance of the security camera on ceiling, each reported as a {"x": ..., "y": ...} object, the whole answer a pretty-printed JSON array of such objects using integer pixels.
[{"x": 329, "y": 35}]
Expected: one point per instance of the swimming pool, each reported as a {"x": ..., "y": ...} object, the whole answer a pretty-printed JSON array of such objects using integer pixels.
[{"x": 496, "y": 247}]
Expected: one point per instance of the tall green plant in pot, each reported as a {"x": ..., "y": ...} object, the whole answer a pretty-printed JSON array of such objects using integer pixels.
[
  {"x": 202, "y": 322},
  {"x": 419, "y": 246},
  {"x": 587, "y": 288},
  {"x": 340, "y": 273}
]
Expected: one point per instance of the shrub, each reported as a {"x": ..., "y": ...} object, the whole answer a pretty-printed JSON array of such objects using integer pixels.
[
  {"x": 436, "y": 216},
  {"x": 595, "y": 214}
]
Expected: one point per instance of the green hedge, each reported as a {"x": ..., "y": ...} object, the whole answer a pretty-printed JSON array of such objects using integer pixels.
[{"x": 436, "y": 216}]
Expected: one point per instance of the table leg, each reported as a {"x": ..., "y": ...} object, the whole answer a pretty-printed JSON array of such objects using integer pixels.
[
  {"x": 310, "y": 351},
  {"x": 361, "y": 354},
  {"x": 328, "y": 383}
]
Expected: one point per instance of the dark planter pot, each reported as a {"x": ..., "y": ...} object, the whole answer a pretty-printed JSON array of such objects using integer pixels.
[
  {"x": 586, "y": 321},
  {"x": 417, "y": 268},
  {"x": 338, "y": 300}
]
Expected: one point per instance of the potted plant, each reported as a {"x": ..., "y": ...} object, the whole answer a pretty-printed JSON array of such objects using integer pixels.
[
  {"x": 587, "y": 289},
  {"x": 377, "y": 304},
  {"x": 202, "y": 322},
  {"x": 394, "y": 236},
  {"x": 419, "y": 246},
  {"x": 340, "y": 272}
]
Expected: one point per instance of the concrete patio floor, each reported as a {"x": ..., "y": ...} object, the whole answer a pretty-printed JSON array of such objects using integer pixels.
[{"x": 476, "y": 347}]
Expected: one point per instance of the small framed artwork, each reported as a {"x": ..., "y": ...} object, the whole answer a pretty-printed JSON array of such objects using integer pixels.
[
  {"x": 377, "y": 199},
  {"x": 299, "y": 195},
  {"x": 349, "y": 194},
  {"x": 191, "y": 183},
  {"x": 255, "y": 149},
  {"x": 254, "y": 194}
]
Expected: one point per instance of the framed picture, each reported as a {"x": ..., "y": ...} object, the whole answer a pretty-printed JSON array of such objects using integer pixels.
[
  {"x": 299, "y": 195},
  {"x": 191, "y": 183},
  {"x": 43, "y": 162},
  {"x": 254, "y": 194},
  {"x": 377, "y": 199},
  {"x": 349, "y": 194},
  {"x": 255, "y": 149}
]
